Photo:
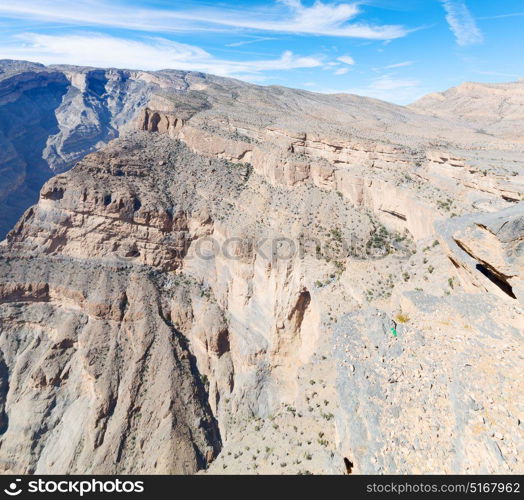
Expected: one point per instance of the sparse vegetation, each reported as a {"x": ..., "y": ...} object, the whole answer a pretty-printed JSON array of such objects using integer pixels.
[{"x": 401, "y": 318}]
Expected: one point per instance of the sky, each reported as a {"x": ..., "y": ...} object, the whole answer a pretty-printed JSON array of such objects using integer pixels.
[{"x": 395, "y": 50}]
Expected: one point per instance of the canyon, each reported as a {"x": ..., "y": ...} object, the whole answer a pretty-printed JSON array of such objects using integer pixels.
[{"x": 201, "y": 275}]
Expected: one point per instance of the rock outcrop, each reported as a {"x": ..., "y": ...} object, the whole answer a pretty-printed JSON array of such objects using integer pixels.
[{"x": 488, "y": 251}]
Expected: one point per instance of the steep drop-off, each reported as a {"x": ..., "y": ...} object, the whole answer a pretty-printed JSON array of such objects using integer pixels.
[{"x": 52, "y": 117}]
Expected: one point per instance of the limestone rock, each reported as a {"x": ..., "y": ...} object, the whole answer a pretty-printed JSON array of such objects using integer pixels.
[{"x": 488, "y": 250}]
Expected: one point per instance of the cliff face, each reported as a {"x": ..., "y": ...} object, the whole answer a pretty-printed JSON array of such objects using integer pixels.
[
  {"x": 52, "y": 117},
  {"x": 27, "y": 120},
  {"x": 396, "y": 161},
  {"x": 252, "y": 282},
  {"x": 408, "y": 168},
  {"x": 95, "y": 343},
  {"x": 98, "y": 380}
]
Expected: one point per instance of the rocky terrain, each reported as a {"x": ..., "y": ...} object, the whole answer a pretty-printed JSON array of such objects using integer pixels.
[
  {"x": 257, "y": 279},
  {"x": 495, "y": 109},
  {"x": 50, "y": 117}
]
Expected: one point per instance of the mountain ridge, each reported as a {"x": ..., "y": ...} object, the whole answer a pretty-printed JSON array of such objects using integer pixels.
[{"x": 108, "y": 101}]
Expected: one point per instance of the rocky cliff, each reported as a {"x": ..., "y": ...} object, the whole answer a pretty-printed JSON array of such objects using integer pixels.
[
  {"x": 402, "y": 163},
  {"x": 52, "y": 117},
  {"x": 260, "y": 279}
]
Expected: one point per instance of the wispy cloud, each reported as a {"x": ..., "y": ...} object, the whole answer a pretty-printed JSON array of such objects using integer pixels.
[
  {"x": 389, "y": 88},
  {"x": 341, "y": 71},
  {"x": 92, "y": 49},
  {"x": 461, "y": 22},
  {"x": 399, "y": 65},
  {"x": 502, "y": 16},
  {"x": 248, "y": 42},
  {"x": 387, "y": 82},
  {"x": 346, "y": 60},
  {"x": 285, "y": 16}
]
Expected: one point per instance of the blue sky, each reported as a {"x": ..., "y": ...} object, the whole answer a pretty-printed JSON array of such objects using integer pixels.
[{"x": 396, "y": 50}]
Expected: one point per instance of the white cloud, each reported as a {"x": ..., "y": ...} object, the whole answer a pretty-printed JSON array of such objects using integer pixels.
[
  {"x": 399, "y": 65},
  {"x": 461, "y": 22},
  {"x": 248, "y": 42},
  {"x": 386, "y": 82},
  {"x": 341, "y": 71},
  {"x": 92, "y": 49},
  {"x": 502, "y": 16},
  {"x": 346, "y": 60},
  {"x": 388, "y": 88},
  {"x": 287, "y": 16}
]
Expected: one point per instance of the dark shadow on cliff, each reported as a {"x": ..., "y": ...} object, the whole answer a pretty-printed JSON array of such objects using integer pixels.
[
  {"x": 4, "y": 389},
  {"x": 25, "y": 125},
  {"x": 208, "y": 423}
]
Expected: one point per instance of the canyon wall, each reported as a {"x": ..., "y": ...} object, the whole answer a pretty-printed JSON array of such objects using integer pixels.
[{"x": 52, "y": 117}]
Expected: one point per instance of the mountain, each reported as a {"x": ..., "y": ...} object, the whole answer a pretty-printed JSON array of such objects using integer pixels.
[
  {"x": 258, "y": 280},
  {"x": 51, "y": 117},
  {"x": 493, "y": 108}
]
